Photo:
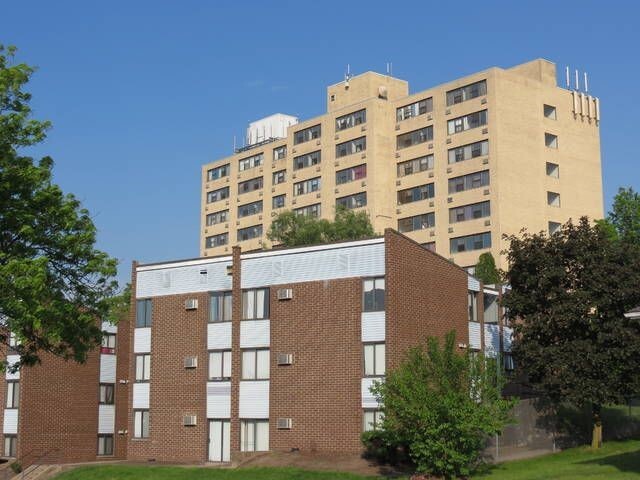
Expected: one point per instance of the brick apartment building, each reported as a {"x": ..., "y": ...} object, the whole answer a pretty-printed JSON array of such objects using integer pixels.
[{"x": 270, "y": 350}]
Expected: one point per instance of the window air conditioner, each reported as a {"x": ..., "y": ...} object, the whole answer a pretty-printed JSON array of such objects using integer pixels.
[
  {"x": 284, "y": 423},
  {"x": 190, "y": 420},
  {"x": 285, "y": 358},
  {"x": 285, "y": 294},
  {"x": 191, "y": 304},
  {"x": 190, "y": 362}
]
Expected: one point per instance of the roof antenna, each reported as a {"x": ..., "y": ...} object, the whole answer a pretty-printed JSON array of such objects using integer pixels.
[
  {"x": 568, "y": 79},
  {"x": 348, "y": 74},
  {"x": 586, "y": 83}
]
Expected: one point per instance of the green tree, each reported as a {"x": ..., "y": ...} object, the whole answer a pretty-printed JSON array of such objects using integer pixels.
[
  {"x": 569, "y": 292},
  {"x": 54, "y": 284},
  {"x": 439, "y": 406},
  {"x": 291, "y": 229},
  {"x": 486, "y": 270},
  {"x": 623, "y": 221}
]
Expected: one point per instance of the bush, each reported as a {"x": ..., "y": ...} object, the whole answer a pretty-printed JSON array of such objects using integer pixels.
[
  {"x": 16, "y": 467},
  {"x": 384, "y": 447}
]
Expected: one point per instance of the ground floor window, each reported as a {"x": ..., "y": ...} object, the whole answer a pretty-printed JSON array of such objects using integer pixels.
[
  {"x": 372, "y": 420},
  {"x": 10, "y": 445},
  {"x": 254, "y": 435},
  {"x": 105, "y": 444},
  {"x": 141, "y": 423}
]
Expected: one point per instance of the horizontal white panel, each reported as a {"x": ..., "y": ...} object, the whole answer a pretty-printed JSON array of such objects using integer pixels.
[
  {"x": 475, "y": 340},
  {"x": 507, "y": 336},
  {"x": 254, "y": 399},
  {"x": 109, "y": 328},
  {"x": 107, "y": 368},
  {"x": 219, "y": 335},
  {"x": 254, "y": 333},
  {"x": 302, "y": 265},
  {"x": 368, "y": 399},
  {"x": 373, "y": 326},
  {"x": 10, "y": 424},
  {"x": 106, "y": 418},
  {"x": 141, "y": 395},
  {"x": 12, "y": 360},
  {"x": 173, "y": 279},
  {"x": 219, "y": 400},
  {"x": 473, "y": 283},
  {"x": 142, "y": 340},
  {"x": 491, "y": 340}
]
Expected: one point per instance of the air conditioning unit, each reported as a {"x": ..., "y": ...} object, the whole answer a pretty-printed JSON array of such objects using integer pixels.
[
  {"x": 191, "y": 304},
  {"x": 284, "y": 424},
  {"x": 190, "y": 362},
  {"x": 285, "y": 358},
  {"x": 190, "y": 420},
  {"x": 285, "y": 294}
]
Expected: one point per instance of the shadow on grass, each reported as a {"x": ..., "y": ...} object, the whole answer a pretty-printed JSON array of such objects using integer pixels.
[{"x": 624, "y": 462}]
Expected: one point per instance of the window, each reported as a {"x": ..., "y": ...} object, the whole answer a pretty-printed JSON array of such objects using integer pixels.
[
  {"x": 250, "y": 185},
  {"x": 306, "y": 186},
  {"x": 278, "y": 201},
  {"x": 351, "y": 174},
  {"x": 553, "y": 170},
  {"x": 306, "y": 134},
  {"x": 356, "y": 200},
  {"x": 279, "y": 177},
  {"x": 374, "y": 359},
  {"x": 509, "y": 364},
  {"x": 250, "y": 162},
  {"x": 108, "y": 343},
  {"x": 550, "y": 112},
  {"x": 416, "y": 165},
  {"x": 217, "y": 240},
  {"x": 553, "y": 199},
  {"x": 469, "y": 212},
  {"x": 220, "y": 365},
  {"x": 372, "y": 420},
  {"x": 250, "y": 232},
  {"x": 551, "y": 140},
  {"x": 249, "y": 209},
  {"x": 467, "y": 152},
  {"x": 477, "y": 241},
  {"x": 467, "y": 92},
  {"x": 468, "y": 182},
  {"x": 143, "y": 313},
  {"x": 352, "y": 146},
  {"x": 554, "y": 227},
  {"x": 472, "y": 304},
  {"x": 373, "y": 295},
  {"x": 217, "y": 195},
  {"x": 309, "y": 211},
  {"x": 414, "y": 109},
  {"x": 10, "y": 445},
  {"x": 255, "y": 304},
  {"x": 217, "y": 217},
  {"x": 418, "y": 222},
  {"x": 490, "y": 308},
  {"x": 255, "y": 364},
  {"x": 106, "y": 393},
  {"x": 254, "y": 435},
  {"x": 351, "y": 119},
  {"x": 415, "y": 194},
  {"x": 431, "y": 246},
  {"x": 220, "y": 307},
  {"x": 13, "y": 394},
  {"x": 143, "y": 367},
  {"x": 105, "y": 444},
  {"x": 280, "y": 152},
  {"x": 141, "y": 423},
  {"x": 304, "y": 161},
  {"x": 414, "y": 138},
  {"x": 467, "y": 122},
  {"x": 218, "y": 172}
]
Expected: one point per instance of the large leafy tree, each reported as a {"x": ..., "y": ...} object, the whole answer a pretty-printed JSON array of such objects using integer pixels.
[
  {"x": 54, "y": 284},
  {"x": 569, "y": 292},
  {"x": 623, "y": 221}
]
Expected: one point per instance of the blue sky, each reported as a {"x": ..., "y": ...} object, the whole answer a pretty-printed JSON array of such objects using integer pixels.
[{"x": 142, "y": 93}]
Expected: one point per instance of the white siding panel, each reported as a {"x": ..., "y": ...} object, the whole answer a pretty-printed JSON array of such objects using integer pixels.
[
  {"x": 373, "y": 326},
  {"x": 219, "y": 335},
  {"x": 219, "y": 400},
  {"x": 304, "y": 266},
  {"x": 254, "y": 399},
  {"x": 107, "y": 368},
  {"x": 474, "y": 336},
  {"x": 473, "y": 283},
  {"x": 174, "y": 280},
  {"x": 368, "y": 399},
  {"x": 140, "y": 395},
  {"x": 12, "y": 360},
  {"x": 142, "y": 340},
  {"x": 254, "y": 333},
  {"x": 10, "y": 421},
  {"x": 491, "y": 340},
  {"x": 106, "y": 418},
  {"x": 109, "y": 328},
  {"x": 507, "y": 335}
]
